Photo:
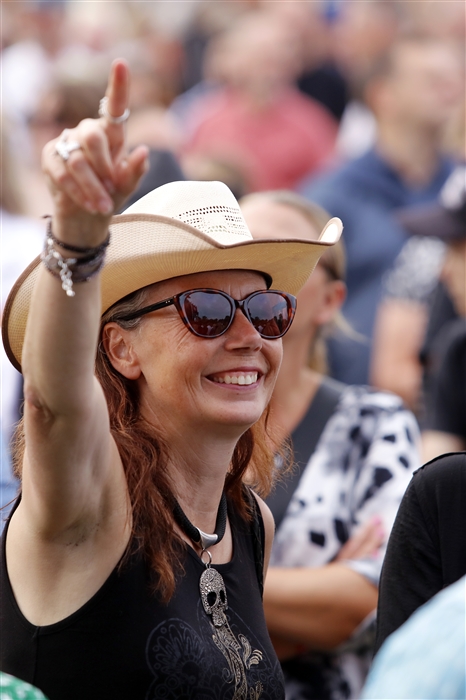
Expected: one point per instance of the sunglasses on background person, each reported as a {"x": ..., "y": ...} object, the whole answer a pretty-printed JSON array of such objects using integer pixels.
[{"x": 209, "y": 313}]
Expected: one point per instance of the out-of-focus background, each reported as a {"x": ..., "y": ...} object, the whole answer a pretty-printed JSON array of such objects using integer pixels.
[{"x": 358, "y": 105}]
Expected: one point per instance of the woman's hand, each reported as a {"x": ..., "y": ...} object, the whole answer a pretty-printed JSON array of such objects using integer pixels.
[
  {"x": 365, "y": 542},
  {"x": 96, "y": 178}
]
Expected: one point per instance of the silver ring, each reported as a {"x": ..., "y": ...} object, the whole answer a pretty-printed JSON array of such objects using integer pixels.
[
  {"x": 64, "y": 147},
  {"x": 103, "y": 112}
]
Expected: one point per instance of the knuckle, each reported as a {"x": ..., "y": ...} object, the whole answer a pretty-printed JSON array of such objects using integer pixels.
[
  {"x": 62, "y": 178},
  {"x": 94, "y": 139},
  {"x": 76, "y": 162}
]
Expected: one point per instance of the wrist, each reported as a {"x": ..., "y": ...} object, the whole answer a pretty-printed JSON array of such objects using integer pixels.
[{"x": 87, "y": 231}]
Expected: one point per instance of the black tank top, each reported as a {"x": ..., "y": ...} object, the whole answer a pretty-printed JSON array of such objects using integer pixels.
[{"x": 123, "y": 644}]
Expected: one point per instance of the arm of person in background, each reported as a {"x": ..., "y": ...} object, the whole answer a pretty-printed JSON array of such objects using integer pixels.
[
  {"x": 320, "y": 608},
  {"x": 398, "y": 335},
  {"x": 402, "y": 317}
]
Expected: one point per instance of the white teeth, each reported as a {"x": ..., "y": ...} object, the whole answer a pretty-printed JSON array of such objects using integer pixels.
[{"x": 242, "y": 379}]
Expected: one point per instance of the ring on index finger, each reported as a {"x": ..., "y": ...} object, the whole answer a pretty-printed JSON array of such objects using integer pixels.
[
  {"x": 103, "y": 112},
  {"x": 64, "y": 147}
]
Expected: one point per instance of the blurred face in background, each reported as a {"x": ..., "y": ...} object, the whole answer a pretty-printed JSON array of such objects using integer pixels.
[
  {"x": 426, "y": 84},
  {"x": 262, "y": 56},
  {"x": 316, "y": 307},
  {"x": 362, "y": 33}
]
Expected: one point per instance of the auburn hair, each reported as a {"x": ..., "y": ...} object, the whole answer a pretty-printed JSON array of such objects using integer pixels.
[{"x": 145, "y": 455}]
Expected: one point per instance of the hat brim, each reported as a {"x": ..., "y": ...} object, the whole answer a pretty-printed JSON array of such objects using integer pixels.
[{"x": 146, "y": 249}]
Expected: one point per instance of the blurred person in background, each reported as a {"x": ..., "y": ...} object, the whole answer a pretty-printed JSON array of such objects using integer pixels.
[
  {"x": 355, "y": 450},
  {"x": 27, "y": 64},
  {"x": 415, "y": 303},
  {"x": 318, "y": 76},
  {"x": 44, "y": 39},
  {"x": 444, "y": 425},
  {"x": 426, "y": 550},
  {"x": 361, "y": 34},
  {"x": 20, "y": 241},
  {"x": 66, "y": 101},
  {"x": 210, "y": 19},
  {"x": 413, "y": 92},
  {"x": 415, "y": 664},
  {"x": 259, "y": 121},
  {"x": 444, "y": 20}
]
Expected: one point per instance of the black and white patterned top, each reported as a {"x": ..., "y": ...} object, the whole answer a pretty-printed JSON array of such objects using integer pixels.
[
  {"x": 416, "y": 270},
  {"x": 360, "y": 468}
]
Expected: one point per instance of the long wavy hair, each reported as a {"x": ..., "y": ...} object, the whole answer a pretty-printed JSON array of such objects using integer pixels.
[{"x": 145, "y": 455}]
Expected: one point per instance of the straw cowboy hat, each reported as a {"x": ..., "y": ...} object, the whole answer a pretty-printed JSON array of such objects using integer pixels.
[{"x": 178, "y": 229}]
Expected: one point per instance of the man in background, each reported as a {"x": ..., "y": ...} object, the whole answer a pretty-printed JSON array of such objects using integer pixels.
[{"x": 413, "y": 92}]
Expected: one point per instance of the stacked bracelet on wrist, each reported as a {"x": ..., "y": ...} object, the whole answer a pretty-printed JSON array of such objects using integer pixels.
[{"x": 72, "y": 270}]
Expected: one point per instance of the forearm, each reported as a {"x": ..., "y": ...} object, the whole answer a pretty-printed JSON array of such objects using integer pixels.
[
  {"x": 318, "y": 608},
  {"x": 398, "y": 336},
  {"x": 60, "y": 344}
]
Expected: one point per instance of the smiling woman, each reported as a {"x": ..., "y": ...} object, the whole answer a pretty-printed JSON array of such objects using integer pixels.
[{"x": 133, "y": 562}]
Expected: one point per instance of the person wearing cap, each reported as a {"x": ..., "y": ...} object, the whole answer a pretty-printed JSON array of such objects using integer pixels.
[
  {"x": 444, "y": 419},
  {"x": 133, "y": 562},
  {"x": 416, "y": 302}
]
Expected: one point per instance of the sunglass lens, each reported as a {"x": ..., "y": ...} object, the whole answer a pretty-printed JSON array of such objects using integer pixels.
[
  {"x": 270, "y": 313},
  {"x": 207, "y": 313}
]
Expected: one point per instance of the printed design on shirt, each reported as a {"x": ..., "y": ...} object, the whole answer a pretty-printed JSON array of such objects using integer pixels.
[
  {"x": 239, "y": 656},
  {"x": 209, "y": 663}
]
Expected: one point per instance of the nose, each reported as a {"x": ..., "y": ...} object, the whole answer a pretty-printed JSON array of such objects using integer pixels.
[{"x": 242, "y": 334}]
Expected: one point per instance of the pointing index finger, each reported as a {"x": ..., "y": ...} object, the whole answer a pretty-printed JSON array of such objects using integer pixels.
[{"x": 118, "y": 88}]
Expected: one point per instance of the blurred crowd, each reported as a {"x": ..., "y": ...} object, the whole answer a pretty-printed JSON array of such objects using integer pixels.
[{"x": 357, "y": 106}]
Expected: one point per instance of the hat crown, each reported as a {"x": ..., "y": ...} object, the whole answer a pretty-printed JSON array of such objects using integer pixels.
[{"x": 209, "y": 207}]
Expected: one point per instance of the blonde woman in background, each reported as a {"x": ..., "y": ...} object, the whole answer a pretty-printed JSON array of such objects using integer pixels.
[{"x": 321, "y": 589}]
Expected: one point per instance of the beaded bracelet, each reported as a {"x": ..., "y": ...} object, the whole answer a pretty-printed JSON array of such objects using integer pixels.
[
  {"x": 72, "y": 270},
  {"x": 75, "y": 248}
]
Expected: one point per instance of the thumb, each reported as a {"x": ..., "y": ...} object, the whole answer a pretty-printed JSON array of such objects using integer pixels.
[{"x": 130, "y": 170}]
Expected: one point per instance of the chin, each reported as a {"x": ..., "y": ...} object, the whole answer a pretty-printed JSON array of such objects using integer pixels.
[{"x": 239, "y": 422}]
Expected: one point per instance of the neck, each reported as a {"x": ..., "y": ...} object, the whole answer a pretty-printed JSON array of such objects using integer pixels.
[
  {"x": 295, "y": 388},
  {"x": 198, "y": 476},
  {"x": 412, "y": 151}
]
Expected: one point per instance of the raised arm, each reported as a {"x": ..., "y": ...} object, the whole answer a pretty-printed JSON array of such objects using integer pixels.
[{"x": 71, "y": 470}]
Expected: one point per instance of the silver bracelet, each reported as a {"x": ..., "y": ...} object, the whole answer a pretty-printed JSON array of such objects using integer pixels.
[{"x": 72, "y": 270}]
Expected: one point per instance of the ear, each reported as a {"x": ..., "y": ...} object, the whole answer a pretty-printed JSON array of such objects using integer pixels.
[
  {"x": 333, "y": 299},
  {"x": 120, "y": 351}
]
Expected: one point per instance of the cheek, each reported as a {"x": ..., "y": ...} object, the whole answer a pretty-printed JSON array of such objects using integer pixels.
[
  {"x": 274, "y": 356},
  {"x": 166, "y": 350}
]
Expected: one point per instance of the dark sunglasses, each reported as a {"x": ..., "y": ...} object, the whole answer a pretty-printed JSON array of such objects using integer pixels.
[{"x": 208, "y": 313}]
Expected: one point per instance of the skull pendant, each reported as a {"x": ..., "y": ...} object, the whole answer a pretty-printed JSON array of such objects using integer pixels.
[{"x": 213, "y": 595}]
